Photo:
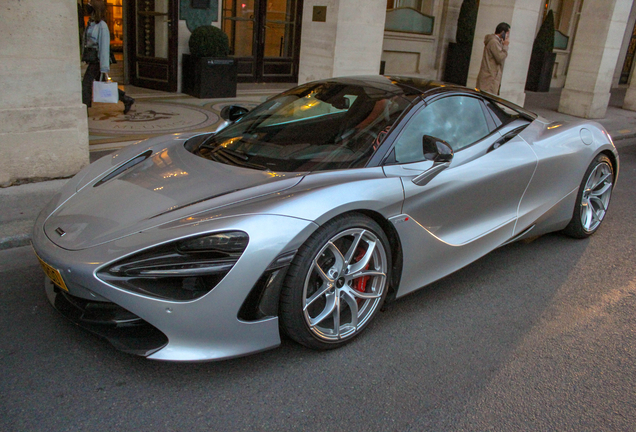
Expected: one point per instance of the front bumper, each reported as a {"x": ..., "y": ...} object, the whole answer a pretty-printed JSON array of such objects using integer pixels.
[
  {"x": 123, "y": 329},
  {"x": 204, "y": 329}
]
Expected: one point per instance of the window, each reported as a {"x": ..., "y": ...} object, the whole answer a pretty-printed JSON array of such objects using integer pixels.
[
  {"x": 563, "y": 14},
  {"x": 409, "y": 16},
  {"x": 315, "y": 127},
  {"x": 458, "y": 120},
  {"x": 501, "y": 113}
]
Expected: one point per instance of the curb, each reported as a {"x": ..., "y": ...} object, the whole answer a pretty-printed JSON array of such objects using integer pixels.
[
  {"x": 15, "y": 241},
  {"x": 624, "y": 137}
]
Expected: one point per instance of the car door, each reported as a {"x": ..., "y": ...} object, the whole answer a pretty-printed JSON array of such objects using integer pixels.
[{"x": 469, "y": 208}]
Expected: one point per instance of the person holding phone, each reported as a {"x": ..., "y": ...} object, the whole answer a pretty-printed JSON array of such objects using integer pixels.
[{"x": 492, "y": 62}]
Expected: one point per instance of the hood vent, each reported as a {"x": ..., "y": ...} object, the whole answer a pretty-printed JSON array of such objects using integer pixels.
[{"x": 131, "y": 163}]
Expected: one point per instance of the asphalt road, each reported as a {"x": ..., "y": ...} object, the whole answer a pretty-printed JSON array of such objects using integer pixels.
[{"x": 534, "y": 336}]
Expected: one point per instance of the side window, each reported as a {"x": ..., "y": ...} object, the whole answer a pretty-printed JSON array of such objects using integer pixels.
[
  {"x": 501, "y": 113},
  {"x": 458, "y": 120}
]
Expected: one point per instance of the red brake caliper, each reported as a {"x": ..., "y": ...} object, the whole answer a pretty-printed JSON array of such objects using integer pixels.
[{"x": 360, "y": 284}]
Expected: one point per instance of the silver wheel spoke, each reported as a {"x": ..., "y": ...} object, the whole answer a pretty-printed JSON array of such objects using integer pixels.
[
  {"x": 362, "y": 295},
  {"x": 598, "y": 201},
  {"x": 323, "y": 289},
  {"x": 354, "y": 246},
  {"x": 605, "y": 176},
  {"x": 336, "y": 317},
  {"x": 353, "y": 306},
  {"x": 326, "y": 312},
  {"x": 324, "y": 276},
  {"x": 360, "y": 265},
  {"x": 363, "y": 273},
  {"x": 340, "y": 259},
  {"x": 602, "y": 191},
  {"x": 587, "y": 216}
]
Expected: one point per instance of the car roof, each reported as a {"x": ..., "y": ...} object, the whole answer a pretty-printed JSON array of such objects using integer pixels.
[
  {"x": 417, "y": 86},
  {"x": 391, "y": 84}
]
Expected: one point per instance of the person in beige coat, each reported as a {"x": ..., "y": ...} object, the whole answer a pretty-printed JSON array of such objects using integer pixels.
[{"x": 492, "y": 62}]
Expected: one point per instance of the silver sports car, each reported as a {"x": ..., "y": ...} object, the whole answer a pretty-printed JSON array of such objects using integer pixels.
[{"x": 308, "y": 213}]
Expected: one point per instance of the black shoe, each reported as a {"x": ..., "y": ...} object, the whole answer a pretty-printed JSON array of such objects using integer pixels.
[{"x": 128, "y": 103}]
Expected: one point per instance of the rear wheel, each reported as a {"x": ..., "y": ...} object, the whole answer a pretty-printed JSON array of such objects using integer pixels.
[
  {"x": 336, "y": 283},
  {"x": 592, "y": 199}
]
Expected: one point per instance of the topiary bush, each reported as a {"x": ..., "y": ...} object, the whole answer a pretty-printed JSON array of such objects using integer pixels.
[
  {"x": 542, "y": 58},
  {"x": 209, "y": 41},
  {"x": 544, "y": 42},
  {"x": 466, "y": 22},
  {"x": 458, "y": 54}
]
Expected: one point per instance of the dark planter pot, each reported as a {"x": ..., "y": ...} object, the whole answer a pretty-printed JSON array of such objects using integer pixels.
[
  {"x": 540, "y": 72},
  {"x": 208, "y": 77},
  {"x": 457, "y": 63}
]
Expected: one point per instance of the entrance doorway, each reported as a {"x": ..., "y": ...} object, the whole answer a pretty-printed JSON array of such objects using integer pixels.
[
  {"x": 264, "y": 38},
  {"x": 152, "y": 43}
]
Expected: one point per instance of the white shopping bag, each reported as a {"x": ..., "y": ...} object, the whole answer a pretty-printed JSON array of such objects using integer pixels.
[{"x": 105, "y": 91}]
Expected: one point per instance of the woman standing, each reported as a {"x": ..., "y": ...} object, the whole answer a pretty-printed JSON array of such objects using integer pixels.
[{"x": 97, "y": 37}]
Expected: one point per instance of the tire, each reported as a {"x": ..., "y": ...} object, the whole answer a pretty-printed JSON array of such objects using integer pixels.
[
  {"x": 336, "y": 283},
  {"x": 592, "y": 199}
]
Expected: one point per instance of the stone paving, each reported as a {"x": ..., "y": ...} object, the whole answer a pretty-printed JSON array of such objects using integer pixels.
[{"x": 158, "y": 113}]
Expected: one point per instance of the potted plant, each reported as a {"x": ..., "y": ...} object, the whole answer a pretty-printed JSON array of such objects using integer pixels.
[
  {"x": 208, "y": 72},
  {"x": 458, "y": 54},
  {"x": 542, "y": 58}
]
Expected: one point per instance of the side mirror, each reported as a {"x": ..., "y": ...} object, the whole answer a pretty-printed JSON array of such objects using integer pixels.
[
  {"x": 233, "y": 112},
  {"x": 436, "y": 150}
]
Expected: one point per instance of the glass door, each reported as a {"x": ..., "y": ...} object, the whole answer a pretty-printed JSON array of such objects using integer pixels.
[
  {"x": 264, "y": 38},
  {"x": 153, "y": 50}
]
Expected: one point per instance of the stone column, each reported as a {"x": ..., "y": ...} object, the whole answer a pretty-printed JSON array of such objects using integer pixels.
[
  {"x": 43, "y": 126},
  {"x": 630, "y": 96},
  {"x": 348, "y": 42},
  {"x": 522, "y": 15},
  {"x": 594, "y": 56}
]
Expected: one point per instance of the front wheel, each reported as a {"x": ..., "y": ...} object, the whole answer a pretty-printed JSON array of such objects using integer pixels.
[
  {"x": 592, "y": 199},
  {"x": 336, "y": 283}
]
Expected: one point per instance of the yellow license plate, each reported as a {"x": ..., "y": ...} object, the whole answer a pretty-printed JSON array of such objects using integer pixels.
[{"x": 53, "y": 274}]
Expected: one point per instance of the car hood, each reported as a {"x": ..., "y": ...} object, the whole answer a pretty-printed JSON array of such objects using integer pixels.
[{"x": 153, "y": 187}]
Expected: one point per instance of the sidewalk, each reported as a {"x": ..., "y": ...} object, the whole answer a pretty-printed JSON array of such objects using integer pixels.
[{"x": 20, "y": 205}]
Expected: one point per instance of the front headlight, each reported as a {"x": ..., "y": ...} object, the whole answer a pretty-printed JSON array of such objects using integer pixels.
[{"x": 181, "y": 271}]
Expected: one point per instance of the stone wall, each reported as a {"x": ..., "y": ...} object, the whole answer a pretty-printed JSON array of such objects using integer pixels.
[
  {"x": 349, "y": 42},
  {"x": 43, "y": 127}
]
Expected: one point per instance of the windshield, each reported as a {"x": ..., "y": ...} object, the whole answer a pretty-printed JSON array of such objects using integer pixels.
[{"x": 315, "y": 127}]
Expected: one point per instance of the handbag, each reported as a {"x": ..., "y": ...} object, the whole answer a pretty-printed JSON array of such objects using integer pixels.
[
  {"x": 89, "y": 55},
  {"x": 105, "y": 92}
]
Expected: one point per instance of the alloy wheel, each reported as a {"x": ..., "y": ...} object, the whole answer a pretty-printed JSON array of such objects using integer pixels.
[
  {"x": 596, "y": 196},
  {"x": 345, "y": 284}
]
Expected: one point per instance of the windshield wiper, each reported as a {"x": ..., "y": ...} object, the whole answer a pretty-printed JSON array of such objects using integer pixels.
[
  {"x": 235, "y": 153},
  {"x": 221, "y": 149},
  {"x": 232, "y": 157}
]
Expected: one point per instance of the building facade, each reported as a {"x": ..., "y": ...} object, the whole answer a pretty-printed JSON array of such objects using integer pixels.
[{"x": 43, "y": 131}]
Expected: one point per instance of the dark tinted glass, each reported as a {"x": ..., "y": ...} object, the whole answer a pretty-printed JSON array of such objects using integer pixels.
[
  {"x": 458, "y": 120},
  {"x": 502, "y": 114},
  {"x": 310, "y": 128}
]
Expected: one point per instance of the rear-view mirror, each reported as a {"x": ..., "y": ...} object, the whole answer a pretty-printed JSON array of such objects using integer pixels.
[{"x": 233, "y": 112}]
